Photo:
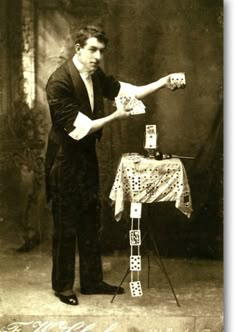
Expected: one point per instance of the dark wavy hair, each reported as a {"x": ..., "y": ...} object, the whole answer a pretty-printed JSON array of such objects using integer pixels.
[{"x": 84, "y": 33}]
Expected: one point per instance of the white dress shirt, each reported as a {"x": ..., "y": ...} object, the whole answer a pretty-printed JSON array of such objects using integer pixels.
[{"x": 86, "y": 77}]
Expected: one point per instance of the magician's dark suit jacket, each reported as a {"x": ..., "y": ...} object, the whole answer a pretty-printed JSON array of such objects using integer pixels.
[{"x": 71, "y": 166}]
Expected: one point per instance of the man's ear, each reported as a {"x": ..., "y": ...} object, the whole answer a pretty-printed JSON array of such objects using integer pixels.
[{"x": 77, "y": 47}]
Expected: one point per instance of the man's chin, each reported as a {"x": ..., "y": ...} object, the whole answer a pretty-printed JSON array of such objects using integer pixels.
[{"x": 94, "y": 67}]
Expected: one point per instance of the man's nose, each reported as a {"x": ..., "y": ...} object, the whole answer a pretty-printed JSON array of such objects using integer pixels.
[{"x": 98, "y": 55}]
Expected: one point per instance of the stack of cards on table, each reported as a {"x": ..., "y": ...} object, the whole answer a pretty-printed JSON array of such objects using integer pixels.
[
  {"x": 178, "y": 78},
  {"x": 150, "y": 137},
  {"x": 132, "y": 103}
]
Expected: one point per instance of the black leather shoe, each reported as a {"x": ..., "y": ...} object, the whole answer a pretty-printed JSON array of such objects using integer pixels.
[
  {"x": 68, "y": 299},
  {"x": 102, "y": 288}
]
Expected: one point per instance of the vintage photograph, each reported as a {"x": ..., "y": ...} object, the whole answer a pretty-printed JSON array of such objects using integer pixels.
[{"x": 111, "y": 172}]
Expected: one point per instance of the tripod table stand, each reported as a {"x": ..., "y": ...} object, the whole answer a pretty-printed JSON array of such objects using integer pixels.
[{"x": 145, "y": 180}]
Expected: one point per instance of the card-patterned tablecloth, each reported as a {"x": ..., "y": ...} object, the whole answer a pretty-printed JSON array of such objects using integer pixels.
[{"x": 144, "y": 180}]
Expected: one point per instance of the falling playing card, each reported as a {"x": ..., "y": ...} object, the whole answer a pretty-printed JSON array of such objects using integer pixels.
[
  {"x": 135, "y": 288},
  {"x": 135, "y": 237},
  {"x": 135, "y": 209},
  {"x": 135, "y": 263}
]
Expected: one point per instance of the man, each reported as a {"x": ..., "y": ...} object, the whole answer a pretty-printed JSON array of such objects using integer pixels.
[{"x": 75, "y": 93}]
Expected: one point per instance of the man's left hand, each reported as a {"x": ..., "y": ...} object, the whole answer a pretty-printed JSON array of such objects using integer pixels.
[{"x": 174, "y": 81}]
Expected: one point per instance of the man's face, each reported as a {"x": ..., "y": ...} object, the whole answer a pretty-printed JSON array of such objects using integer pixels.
[{"x": 91, "y": 54}]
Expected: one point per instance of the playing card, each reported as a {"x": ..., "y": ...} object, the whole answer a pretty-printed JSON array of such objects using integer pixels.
[
  {"x": 151, "y": 129},
  {"x": 150, "y": 142},
  {"x": 136, "y": 106},
  {"x": 135, "y": 237},
  {"x": 178, "y": 78},
  {"x": 122, "y": 101},
  {"x": 135, "y": 183},
  {"x": 135, "y": 263},
  {"x": 150, "y": 137},
  {"x": 136, "y": 208},
  {"x": 135, "y": 288}
]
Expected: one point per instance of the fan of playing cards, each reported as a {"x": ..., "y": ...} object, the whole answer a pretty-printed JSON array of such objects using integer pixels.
[{"x": 127, "y": 102}]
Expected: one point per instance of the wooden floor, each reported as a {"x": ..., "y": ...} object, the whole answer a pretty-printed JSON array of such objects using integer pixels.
[{"x": 27, "y": 302}]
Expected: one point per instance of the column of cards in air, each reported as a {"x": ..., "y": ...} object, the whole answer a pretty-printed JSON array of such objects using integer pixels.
[{"x": 135, "y": 242}]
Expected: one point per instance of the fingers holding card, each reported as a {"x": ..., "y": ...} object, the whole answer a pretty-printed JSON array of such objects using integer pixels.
[{"x": 178, "y": 80}]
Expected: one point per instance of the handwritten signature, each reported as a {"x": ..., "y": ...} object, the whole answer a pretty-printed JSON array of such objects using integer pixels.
[{"x": 45, "y": 326}]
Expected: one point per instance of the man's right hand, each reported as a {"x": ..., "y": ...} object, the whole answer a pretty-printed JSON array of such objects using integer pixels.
[{"x": 122, "y": 113}]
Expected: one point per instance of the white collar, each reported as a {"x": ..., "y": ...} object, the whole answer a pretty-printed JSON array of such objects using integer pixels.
[{"x": 80, "y": 67}]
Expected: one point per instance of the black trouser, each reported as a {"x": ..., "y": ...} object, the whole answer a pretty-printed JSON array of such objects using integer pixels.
[{"x": 73, "y": 227}]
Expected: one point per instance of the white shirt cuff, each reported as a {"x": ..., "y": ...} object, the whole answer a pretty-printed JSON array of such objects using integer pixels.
[{"x": 82, "y": 126}]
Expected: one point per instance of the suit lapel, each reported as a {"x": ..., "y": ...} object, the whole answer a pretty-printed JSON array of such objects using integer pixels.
[
  {"x": 79, "y": 87},
  {"x": 98, "y": 98}
]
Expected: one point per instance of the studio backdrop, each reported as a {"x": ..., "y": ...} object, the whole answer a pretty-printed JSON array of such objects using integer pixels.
[{"x": 147, "y": 40}]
